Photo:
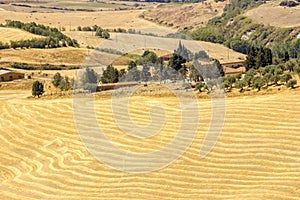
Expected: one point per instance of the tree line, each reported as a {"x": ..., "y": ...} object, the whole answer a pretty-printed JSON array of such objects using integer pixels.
[
  {"x": 53, "y": 38},
  {"x": 100, "y": 32}
]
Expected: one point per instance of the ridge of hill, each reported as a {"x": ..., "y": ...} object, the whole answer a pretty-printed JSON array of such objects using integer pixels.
[{"x": 185, "y": 16}]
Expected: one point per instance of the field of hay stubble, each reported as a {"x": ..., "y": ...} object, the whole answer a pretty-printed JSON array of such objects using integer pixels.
[{"x": 256, "y": 157}]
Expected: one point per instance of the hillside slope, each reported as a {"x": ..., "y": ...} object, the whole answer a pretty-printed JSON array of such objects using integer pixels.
[
  {"x": 285, "y": 16},
  {"x": 12, "y": 34},
  {"x": 182, "y": 16}
]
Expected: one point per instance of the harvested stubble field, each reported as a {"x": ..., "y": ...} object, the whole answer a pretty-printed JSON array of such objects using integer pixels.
[
  {"x": 12, "y": 34},
  {"x": 106, "y": 19},
  {"x": 273, "y": 14},
  {"x": 185, "y": 15},
  {"x": 256, "y": 157}
]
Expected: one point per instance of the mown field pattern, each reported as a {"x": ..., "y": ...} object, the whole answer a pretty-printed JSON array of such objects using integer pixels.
[
  {"x": 12, "y": 34},
  {"x": 257, "y": 155}
]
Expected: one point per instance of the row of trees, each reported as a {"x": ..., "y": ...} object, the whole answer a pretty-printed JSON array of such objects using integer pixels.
[
  {"x": 53, "y": 37},
  {"x": 63, "y": 83},
  {"x": 42, "y": 43},
  {"x": 100, "y": 32},
  {"x": 271, "y": 75},
  {"x": 174, "y": 69},
  {"x": 258, "y": 57}
]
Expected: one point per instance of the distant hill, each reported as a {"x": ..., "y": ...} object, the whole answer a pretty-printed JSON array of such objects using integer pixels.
[
  {"x": 239, "y": 32},
  {"x": 285, "y": 16},
  {"x": 185, "y": 16}
]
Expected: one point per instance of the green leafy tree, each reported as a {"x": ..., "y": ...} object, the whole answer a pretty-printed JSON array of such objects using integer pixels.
[
  {"x": 145, "y": 73},
  {"x": 57, "y": 78},
  {"x": 133, "y": 74},
  {"x": 267, "y": 78},
  {"x": 220, "y": 71},
  {"x": 258, "y": 83},
  {"x": 286, "y": 56},
  {"x": 149, "y": 57},
  {"x": 99, "y": 32},
  {"x": 291, "y": 83},
  {"x": 258, "y": 57},
  {"x": 241, "y": 84},
  {"x": 200, "y": 86},
  {"x": 105, "y": 34},
  {"x": 176, "y": 62},
  {"x": 89, "y": 80},
  {"x": 228, "y": 82},
  {"x": 194, "y": 74},
  {"x": 110, "y": 75},
  {"x": 122, "y": 73},
  {"x": 90, "y": 76},
  {"x": 285, "y": 78},
  {"x": 131, "y": 65},
  {"x": 275, "y": 79},
  {"x": 37, "y": 89},
  {"x": 290, "y": 65}
]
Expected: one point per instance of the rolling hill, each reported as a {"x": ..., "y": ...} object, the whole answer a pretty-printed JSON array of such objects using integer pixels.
[
  {"x": 12, "y": 34},
  {"x": 286, "y": 17}
]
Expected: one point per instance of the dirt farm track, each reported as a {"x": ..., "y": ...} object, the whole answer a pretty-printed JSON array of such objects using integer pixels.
[{"x": 256, "y": 157}]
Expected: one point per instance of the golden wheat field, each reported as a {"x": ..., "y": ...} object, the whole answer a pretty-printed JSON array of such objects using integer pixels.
[
  {"x": 256, "y": 157},
  {"x": 12, "y": 34}
]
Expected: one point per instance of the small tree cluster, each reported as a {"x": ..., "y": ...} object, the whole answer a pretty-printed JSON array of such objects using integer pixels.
[
  {"x": 64, "y": 83},
  {"x": 37, "y": 89},
  {"x": 103, "y": 33},
  {"x": 258, "y": 57},
  {"x": 89, "y": 80},
  {"x": 110, "y": 75},
  {"x": 55, "y": 38}
]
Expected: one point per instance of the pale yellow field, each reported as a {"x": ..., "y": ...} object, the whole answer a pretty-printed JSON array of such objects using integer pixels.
[
  {"x": 221, "y": 52},
  {"x": 105, "y": 19},
  {"x": 275, "y": 15},
  {"x": 12, "y": 34},
  {"x": 85, "y": 38},
  {"x": 185, "y": 15},
  {"x": 67, "y": 56},
  {"x": 256, "y": 157}
]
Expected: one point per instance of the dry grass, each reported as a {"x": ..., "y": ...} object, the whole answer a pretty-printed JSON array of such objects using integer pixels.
[
  {"x": 221, "y": 52},
  {"x": 185, "y": 15},
  {"x": 67, "y": 56},
  {"x": 256, "y": 157},
  {"x": 275, "y": 15},
  {"x": 138, "y": 43},
  {"x": 105, "y": 19},
  {"x": 12, "y": 34},
  {"x": 85, "y": 38}
]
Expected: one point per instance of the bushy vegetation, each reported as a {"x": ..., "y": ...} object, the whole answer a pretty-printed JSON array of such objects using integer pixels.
[
  {"x": 110, "y": 75},
  {"x": 100, "y": 32},
  {"x": 37, "y": 89},
  {"x": 89, "y": 80},
  {"x": 110, "y": 51},
  {"x": 53, "y": 37},
  {"x": 3, "y": 45},
  {"x": 258, "y": 57},
  {"x": 289, "y": 3},
  {"x": 63, "y": 83},
  {"x": 240, "y": 33},
  {"x": 27, "y": 66}
]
